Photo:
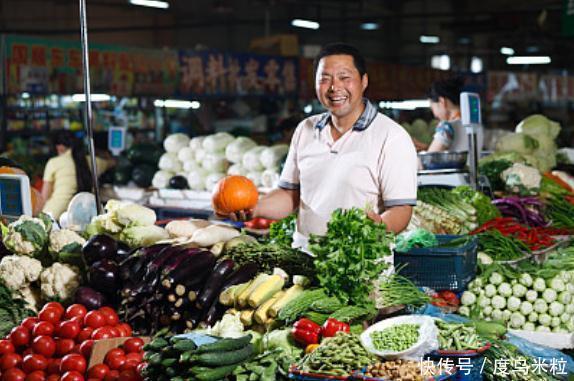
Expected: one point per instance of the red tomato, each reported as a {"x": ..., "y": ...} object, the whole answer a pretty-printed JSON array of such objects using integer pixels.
[
  {"x": 129, "y": 364},
  {"x": 102, "y": 333},
  {"x": 76, "y": 310},
  {"x": 36, "y": 375},
  {"x": 55, "y": 305},
  {"x": 31, "y": 363},
  {"x": 133, "y": 345},
  {"x": 73, "y": 362},
  {"x": 112, "y": 353},
  {"x": 122, "y": 332},
  {"x": 110, "y": 315},
  {"x": 6, "y": 346},
  {"x": 86, "y": 348},
  {"x": 28, "y": 351},
  {"x": 79, "y": 320},
  {"x": 43, "y": 328},
  {"x": 113, "y": 331},
  {"x": 126, "y": 327},
  {"x": 30, "y": 322},
  {"x": 129, "y": 375},
  {"x": 112, "y": 375},
  {"x": 137, "y": 357},
  {"x": 53, "y": 366},
  {"x": 9, "y": 361},
  {"x": 51, "y": 315},
  {"x": 85, "y": 334},
  {"x": 72, "y": 376},
  {"x": 64, "y": 346},
  {"x": 53, "y": 377},
  {"x": 115, "y": 362},
  {"x": 44, "y": 345},
  {"x": 69, "y": 329},
  {"x": 20, "y": 336},
  {"x": 14, "y": 374},
  {"x": 98, "y": 371},
  {"x": 94, "y": 319}
]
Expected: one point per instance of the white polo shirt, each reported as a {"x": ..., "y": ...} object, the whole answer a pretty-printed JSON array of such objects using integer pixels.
[{"x": 374, "y": 163}]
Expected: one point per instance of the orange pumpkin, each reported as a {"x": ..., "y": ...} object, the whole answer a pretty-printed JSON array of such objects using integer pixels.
[{"x": 234, "y": 193}]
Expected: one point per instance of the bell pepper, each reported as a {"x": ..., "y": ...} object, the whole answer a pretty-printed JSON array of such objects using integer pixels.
[
  {"x": 332, "y": 326},
  {"x": 306, "y": 332},
  {"x": 310, "y": 348},
  {"x": 450, "y": 297}
]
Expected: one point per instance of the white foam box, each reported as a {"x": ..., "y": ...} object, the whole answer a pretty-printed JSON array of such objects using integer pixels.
[{"x": 548, "y": 339}]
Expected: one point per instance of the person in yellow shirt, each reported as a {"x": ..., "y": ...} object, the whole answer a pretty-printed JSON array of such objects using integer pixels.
[{"x": 66, "y": 174}]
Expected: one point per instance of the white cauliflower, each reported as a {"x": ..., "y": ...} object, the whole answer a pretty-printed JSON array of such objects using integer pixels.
[
  {"x": 65, "y": 240},
  {"x": 31, "y": 296},
  {"x": 26, "y": 236},
  {"x": 522, "y": 179},
  {"x": 59, "y": 281},
  {"x": 19, "y": 271}
]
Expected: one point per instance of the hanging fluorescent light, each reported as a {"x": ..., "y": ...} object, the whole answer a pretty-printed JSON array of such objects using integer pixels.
[
  {"x": 429, "y": 39},
  {"x": 176, "y": 103},
  {"x": 441, "y": 62},
  {"x": 528, "y": 60},
  {"x": 507, "y": 51},
  {"x": 150, "y": 3},
  {"x": 476, "y": 65},
  {"x": 307, "y": 24},
  {"x": 25, "y": 95},
  {"x": 370, "y": 26},
  {"x": 405, "y": 105},
  {"x": 93, "y": 98}
]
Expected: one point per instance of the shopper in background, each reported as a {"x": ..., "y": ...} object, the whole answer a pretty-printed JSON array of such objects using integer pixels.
[
  {"x": 450, "y": 134},
  {"x": 66, "y": 174},
  {"x": 350, "y": 156}
]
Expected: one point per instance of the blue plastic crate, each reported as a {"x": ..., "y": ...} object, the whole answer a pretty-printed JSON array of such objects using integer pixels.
[{"x": 440, "y": 268}]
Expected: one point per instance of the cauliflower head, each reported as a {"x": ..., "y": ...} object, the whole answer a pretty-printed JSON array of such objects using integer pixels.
[
  {"x": 59, "y": 281},
  {"x": 26, "y": 236},
  {"x": 522, "y": 179},
  {"x": 17, "y": 271},
  {"x": 65, "y": 240},
  {"x": 31, "y": 296}
]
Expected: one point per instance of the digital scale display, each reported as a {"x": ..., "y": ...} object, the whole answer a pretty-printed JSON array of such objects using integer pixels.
[
  {"x": 10, "y": 197},
  {"x": 470, "y": 109},
  {"x": 474, "y": 108},
  {"x": 116, "y": 139}
]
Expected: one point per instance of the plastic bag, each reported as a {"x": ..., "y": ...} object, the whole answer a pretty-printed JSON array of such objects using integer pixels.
[
  {"x": 428, "y": 337},
  {"x": 415, "y": 238}
]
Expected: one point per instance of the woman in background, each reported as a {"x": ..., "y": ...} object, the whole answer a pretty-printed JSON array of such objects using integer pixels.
[{"x": 66, "y": 174}]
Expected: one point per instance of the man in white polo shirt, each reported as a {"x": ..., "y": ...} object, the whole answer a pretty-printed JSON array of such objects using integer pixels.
[{"x": 350, "y": 156}]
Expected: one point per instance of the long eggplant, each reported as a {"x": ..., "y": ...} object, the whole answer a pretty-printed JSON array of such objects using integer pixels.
[
  {"x": 133, "y": 267},
  {"x": 215, "y": 313},
  {"x": 243, "y": 274},
  {"x": 214, "y": 283},
  {"x": 194, "y": 268},
  {"x": 177, "y": 260}
]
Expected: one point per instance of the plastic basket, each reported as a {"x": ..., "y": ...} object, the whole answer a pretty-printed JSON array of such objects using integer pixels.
[{"x": 440, "y": 268}]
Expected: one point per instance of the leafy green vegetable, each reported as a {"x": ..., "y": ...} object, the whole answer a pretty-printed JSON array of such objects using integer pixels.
[
  {"x": 415, "y": 238},
  {"x": 351, "y": 255},
  {"x": 492, "y": 170},
  {"x": 12, "y": 310},
  {"x": 281, "y": 232},
  {"x": 485, "y": 210}
]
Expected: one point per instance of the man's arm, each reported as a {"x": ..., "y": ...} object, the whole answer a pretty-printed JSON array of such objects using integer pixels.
[
  {"x": 395, "y": 218},
  {"x": 277, "y": 204}
]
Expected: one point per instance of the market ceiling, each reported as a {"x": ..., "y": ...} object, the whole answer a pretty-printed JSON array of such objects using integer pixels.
[{"x": 464, "y": 28}]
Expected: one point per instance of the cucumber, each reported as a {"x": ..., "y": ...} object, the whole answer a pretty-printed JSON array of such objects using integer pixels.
[
  {"x": 224, "y": 345},
  {"x": 171, "y": 372},
  {"x": 157, "y": 344},
  {"x": 224, "y": 358},
  {"x": 155, "y": 359},
  {"x": 185, "y": 345},
  {"x": 213, "y": 374},
  {"x": 168, "y": 362},
  {"x": 186, "y": 356}
]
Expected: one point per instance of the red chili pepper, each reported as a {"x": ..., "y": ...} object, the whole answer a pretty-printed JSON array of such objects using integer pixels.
[{"x": 332, "y": 326}]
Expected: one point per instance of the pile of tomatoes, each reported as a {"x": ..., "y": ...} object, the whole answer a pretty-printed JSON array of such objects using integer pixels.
[
  {"x": 56, "y": 345},
  {"x": 123, "y": 364}
]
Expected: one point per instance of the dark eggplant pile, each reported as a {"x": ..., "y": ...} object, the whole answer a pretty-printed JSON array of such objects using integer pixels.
[
  {"x": 102, "y": 255},
  {"x": 176, "y": 287}
]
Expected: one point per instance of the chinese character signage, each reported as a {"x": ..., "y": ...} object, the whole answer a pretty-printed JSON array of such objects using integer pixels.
[{"x": 213, "y": 73}]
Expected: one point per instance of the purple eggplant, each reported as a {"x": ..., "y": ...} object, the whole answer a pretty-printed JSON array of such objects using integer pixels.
[
  {"x": 89, "y": 298},
  {"x": 214, "y": 283},
  {"x": 99, "y": 247},
  {"x": 134, "y": 267},
  {"x": 214, "y": 313},
  {"x": 192, "y": 271},
  {"x": 243, "y": 274},
  {"x": 103, "y": 276}
]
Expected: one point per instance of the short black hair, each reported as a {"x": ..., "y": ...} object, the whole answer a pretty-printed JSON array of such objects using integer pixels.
[
  {"x": 342, "y": 48},
  {"x": 448, "y": 88}
]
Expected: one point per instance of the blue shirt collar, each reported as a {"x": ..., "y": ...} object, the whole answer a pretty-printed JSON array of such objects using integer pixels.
[{"x": 364, "y": 121}]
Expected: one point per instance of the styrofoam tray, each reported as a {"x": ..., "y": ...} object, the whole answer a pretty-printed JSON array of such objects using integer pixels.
[{"x": 549, "y": 339}]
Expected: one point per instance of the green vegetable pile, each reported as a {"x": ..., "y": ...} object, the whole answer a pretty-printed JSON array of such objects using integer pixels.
[
  {"x": 445, "y": 211},
  {"x": 500, "y": 247},
  {"x": 397, "y": 290},
  {"x": 396, "y": 338},
  {"x": 177, "y": 358},
  {"x": 350, "y": 257},
  {"x": 454, "y": 336},
  {"x": 12, "y": 310},
  {"x": 415, "y": 238},
  {"x": 281, "y": 232},
  {"x": 269, "y": 366},
  {"x": 560, "y": 212},
  {"x": 339, "y": 355},
  {"x": 485, "y": 210},
  {"x": 492, "y": 170}
]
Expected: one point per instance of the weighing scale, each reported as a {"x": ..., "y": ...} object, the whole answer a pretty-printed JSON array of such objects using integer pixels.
[
  {"x": 471, "y": 120},
  {"x": 116, "y": 140},
  {"x": 15, "y": 197}
]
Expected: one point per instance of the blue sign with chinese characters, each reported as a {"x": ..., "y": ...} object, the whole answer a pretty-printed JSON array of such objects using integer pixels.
[{"x": 213, "y": 73}]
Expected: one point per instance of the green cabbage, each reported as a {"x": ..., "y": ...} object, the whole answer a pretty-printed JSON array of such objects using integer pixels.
[{"x": 539, "y": 125}]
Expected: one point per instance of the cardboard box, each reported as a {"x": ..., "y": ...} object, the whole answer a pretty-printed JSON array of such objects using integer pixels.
[{"x": 102, "y": 347}]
